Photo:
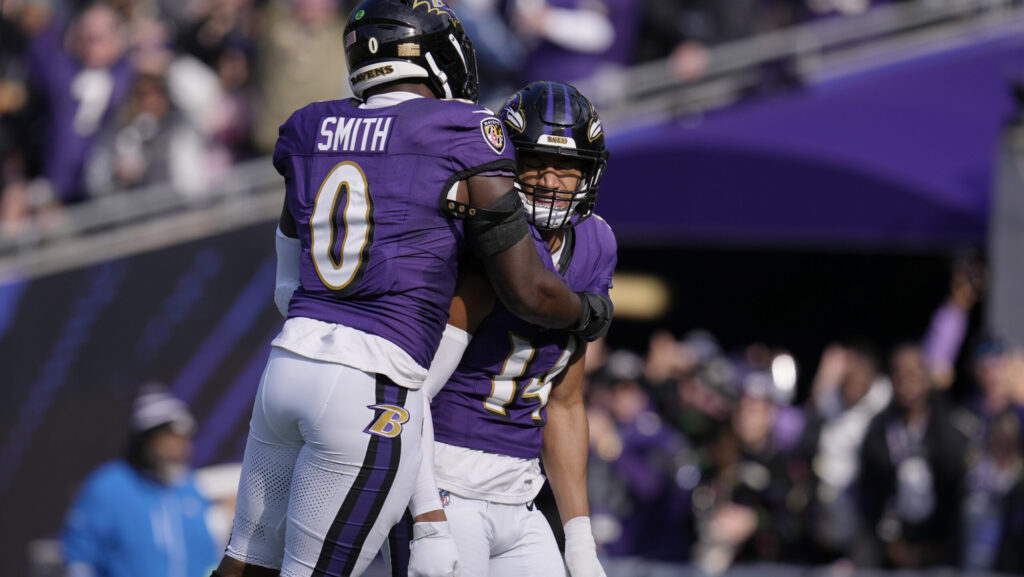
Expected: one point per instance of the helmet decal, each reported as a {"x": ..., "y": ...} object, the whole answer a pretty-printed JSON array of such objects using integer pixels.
[
  {"x": 596, "y": 130},
  {"x": 432, "y": 6},
  {"x": 513, "y": 116},
  {"x": 374, "y": 73},
  {"x": 561, "y": 141},
  {"x": 409, "y": 50}
]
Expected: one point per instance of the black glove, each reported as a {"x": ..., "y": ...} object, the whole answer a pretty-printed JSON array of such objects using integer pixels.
[{"x": 595, "y": 318}]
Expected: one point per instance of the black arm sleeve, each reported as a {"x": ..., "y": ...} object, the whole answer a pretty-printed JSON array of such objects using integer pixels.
[{"x": 497, "y": 227}]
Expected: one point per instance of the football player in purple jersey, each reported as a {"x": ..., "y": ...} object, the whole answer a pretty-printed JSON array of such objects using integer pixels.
[
  {"x": 512, "y": 390},
  {"x": 381, "y": 194}
]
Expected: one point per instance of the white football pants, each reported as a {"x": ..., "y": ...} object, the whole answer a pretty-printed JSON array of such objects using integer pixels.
[
  {"x": 497, "y": 540},
  {"x": 329, "y": 467}
]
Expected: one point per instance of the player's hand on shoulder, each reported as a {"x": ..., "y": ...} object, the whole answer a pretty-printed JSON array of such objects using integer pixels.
[
  {"x": 432, "y": 551},
  {"x": 581, "y": 550}
]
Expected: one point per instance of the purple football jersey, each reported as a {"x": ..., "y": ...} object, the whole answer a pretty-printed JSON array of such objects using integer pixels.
[
  {"x": 365, "y": 187},
  {"x": 495, "y": 399}
]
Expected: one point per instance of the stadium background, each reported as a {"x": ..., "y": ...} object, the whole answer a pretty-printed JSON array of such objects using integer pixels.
[{"x": 794, "y": 218}]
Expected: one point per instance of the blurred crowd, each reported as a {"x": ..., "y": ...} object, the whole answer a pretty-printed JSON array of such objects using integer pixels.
[
  {"x": 887, "y": 460},
  {"x": 99, "y": 97}
]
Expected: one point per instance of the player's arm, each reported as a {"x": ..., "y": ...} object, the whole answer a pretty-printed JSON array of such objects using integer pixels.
[
  {"x": 288, "y": 251},
  {"x": 499, "y": 234},
  {"x": 564, "y": 453}
]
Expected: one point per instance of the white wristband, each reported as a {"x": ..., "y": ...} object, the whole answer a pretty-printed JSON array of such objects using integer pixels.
[
  {"x": 578, "y": 531},
  {"x": 288, "y": 252},
  {"x": 581, "y": 550},
  {"x": 430, "y": 528}
]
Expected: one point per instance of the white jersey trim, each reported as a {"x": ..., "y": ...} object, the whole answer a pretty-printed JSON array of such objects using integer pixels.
[
  {"x": 334, "y": 343},
  {"x": 484, "y": 476}
]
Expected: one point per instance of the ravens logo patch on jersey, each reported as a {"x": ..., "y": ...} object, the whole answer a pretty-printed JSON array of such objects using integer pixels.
[{"x": 493, "y": 134}]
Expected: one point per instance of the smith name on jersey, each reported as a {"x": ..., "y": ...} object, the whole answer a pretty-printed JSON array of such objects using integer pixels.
[
  {"x": 507, "y": 372},
  {"x": 364, "y": 186}
]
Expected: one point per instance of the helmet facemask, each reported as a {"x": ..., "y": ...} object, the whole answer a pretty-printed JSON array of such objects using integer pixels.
[{"x": 555, "y": 208}]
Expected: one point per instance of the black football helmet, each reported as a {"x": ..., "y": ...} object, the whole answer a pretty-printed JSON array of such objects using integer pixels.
[
  {"x": 389, "y": 40},
  {"x": 554, "y": 118}
]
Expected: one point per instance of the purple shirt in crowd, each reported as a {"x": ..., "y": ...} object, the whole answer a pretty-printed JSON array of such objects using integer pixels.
[
  {"x": 549, "y": 61},
  {"x": 495, "y": 399},
  {"x": 79, "y": 103},
  {"x": 365, "y": 188}
]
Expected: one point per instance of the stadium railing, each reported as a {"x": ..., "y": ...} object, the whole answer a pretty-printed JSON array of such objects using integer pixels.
[{"x": 135, "y": 220}]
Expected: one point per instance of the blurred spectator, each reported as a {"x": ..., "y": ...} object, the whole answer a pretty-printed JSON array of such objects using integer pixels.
[
  {"x": 949, "y": 323},
  {"x": 569, "y": 40},
  {"x": 212, "y": 103},
  {"x": 641, "y": 472},
  {"x": 758, "y": 489},
  {"x": 143, "y": 515},
  {"x": 13, "y": 186},
  {"x": 691, "y": 380},
  {"x": 82, "y": 76},
  {"x": 847, "y": 393},
  {"x": 214, "y": 26},
  {"x": 223, "y": 36},
  {"x": 993, "y": 392},
  {"x": 912, "y": 473},
  {"x": 994, "y": 459},
  {"x": 19, "y": 23},
  {"x": 675, "y": 25},
  {"x": 684, "y": 30},
  {"x": 13, "y": 102},
  {"x": 233, "y": 112},
  {"x": 499, "y": 52},
  {"x": 192, "y": 86},
  {"x": 1010, "y": 555},
  {"x": 301, "y": 58},
  {"x": 991, "y": 541},
  {"x": 150, "y": 142}
]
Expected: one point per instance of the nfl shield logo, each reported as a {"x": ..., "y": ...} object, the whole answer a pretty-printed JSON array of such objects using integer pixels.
[{"x": 493, "y": 134}]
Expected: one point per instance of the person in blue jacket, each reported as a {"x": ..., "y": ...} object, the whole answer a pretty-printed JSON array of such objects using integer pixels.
[{"x": 143, "y": 515}]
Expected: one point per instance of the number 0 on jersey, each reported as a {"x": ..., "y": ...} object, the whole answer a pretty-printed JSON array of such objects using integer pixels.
[{"x": 340, "y": 267}]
